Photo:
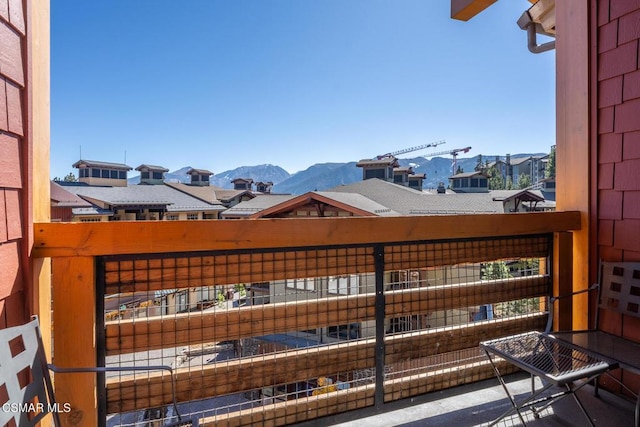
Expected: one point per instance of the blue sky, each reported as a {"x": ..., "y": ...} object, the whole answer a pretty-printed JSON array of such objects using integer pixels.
[{"x": 218, "y": 84}]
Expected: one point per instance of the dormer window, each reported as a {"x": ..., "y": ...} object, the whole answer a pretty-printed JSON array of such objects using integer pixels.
[{"x": 199, "y": 176}]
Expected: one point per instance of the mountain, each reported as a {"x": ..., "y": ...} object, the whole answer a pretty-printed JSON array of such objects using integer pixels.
[
  {"x": 264, "y": 173},
  {"x": 323, "y": 176},
  {"x": 320, "y": 177}
]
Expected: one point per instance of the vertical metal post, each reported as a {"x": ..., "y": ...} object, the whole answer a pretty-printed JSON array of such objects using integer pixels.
[
  {"x": 380, "y": 312},
  {"x": 100, "y": 342}
]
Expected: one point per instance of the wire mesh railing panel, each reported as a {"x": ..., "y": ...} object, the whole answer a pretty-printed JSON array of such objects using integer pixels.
[
  {"x": 241, "y": 331},
  {"x": 274, "y": 337},
  {"x": 452, "y": 295}
]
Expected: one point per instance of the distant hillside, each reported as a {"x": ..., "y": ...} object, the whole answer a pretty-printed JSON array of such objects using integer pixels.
[
  {"x": 320, "y": 177},
  {"x": 323, "y": 176},
  {"x": 265, "y": 173}
]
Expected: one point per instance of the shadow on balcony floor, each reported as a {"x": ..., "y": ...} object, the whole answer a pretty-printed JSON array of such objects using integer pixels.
[{"x": 480, "y": 403}]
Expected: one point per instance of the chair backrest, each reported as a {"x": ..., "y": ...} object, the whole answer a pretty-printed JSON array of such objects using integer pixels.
[
  {"x": 619, "y": 289},
  {"x": 26, "y": 395}
]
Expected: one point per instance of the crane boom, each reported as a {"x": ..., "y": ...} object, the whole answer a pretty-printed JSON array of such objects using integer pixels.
[
  {"x": 453, "y": 152},
  {"x": 411, "y": 149}
]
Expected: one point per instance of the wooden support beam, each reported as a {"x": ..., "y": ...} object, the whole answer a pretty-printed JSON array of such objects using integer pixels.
[
  {"x": 238, "y": 375},
  {"x": 74, "y": 302},
  {"x": 464, "y": 10},
  {"x": 563, "y": 281},
  {"x": 138, "y": 237}
]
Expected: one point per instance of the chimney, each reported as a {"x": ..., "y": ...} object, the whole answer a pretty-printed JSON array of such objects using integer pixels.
[{"x": 441, "y": 189}]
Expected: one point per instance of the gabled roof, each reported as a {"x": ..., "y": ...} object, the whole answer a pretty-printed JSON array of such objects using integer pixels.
[
  {"x": 242, "y": 180},
  {"x": 106, "y": 165},
  {"x": 353, "y": 203},
  {"x": 469, "y": 175},
  {"x": 210, "y": 194},
  {"x": 194, "y": 171},
  {"x": 144, "y": 195},
  {"x": 65, "y": 199},
  {"x": 385, "y": 161},
  {"x": 523, "y": 195},
  {"x": 257, "y": 204},
  {"x": 152, "y": 168}
]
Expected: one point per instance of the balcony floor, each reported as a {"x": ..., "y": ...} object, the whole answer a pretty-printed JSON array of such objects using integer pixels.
[{"x": 480, "y": 403}]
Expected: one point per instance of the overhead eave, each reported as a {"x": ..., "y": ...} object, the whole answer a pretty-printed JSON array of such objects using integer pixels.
[{"x": 464, "y": 10}]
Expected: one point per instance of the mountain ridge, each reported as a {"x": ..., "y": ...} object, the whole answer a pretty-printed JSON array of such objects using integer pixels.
[{"x": 323, "y": 176}]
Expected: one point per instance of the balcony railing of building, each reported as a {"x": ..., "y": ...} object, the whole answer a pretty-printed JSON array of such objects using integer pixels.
[{"x": 274, "y": 322}]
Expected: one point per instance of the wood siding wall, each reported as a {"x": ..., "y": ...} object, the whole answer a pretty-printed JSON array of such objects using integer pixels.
[
  {"x": 14, "y": 152},
  {"x": 615, "y": 25},
  {"x": 618, "y": 139}
]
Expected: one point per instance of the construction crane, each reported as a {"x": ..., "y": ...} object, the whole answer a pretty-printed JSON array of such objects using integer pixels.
[
  {"x": 453, "y": 152},
  {"x": 411, "y": 149}
]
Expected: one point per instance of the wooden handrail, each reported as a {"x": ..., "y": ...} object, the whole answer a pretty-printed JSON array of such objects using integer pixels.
[{"x": 138, "y": 237}]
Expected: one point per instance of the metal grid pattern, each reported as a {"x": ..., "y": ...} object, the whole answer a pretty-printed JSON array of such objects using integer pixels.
[
  {"x": 547, "y": 357},
  {"x": 274, "y": 337}
]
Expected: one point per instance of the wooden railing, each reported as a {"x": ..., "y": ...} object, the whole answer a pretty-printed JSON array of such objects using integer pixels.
[{"x": 94, "y": 259}]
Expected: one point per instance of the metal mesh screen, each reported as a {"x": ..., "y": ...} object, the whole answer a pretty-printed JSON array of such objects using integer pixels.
[{"x": 274, "y": 337}]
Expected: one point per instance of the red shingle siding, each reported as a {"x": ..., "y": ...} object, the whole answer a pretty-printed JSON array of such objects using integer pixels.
[
  {"x": 610, "y": 148},
  {"x": 13, "y": 149},
  {"x": 631, "y": 208},
  {"x": 610, "y": 204},
  {"x": 10, "y": 176},
  {"x": 611, "y": 90},
  {"x": 631, "y": 146},
  {"x": 608, "y": 37},
  {"x": 631, "y": 88},
  {"x": 623, "y": 59},
  {"x": 618, "y": 145},
  {"x": 628, "y": 28}
]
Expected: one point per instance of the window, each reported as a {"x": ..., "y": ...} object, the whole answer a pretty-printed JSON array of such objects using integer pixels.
[
  {"x": 204, "y": 178},
  {"x": 105, "y": 173},
  {"x": 474, "y": 182},
  {"x": 95, "y": 173},
  {"x": 374, "y": 173},
  {"x": 114, "y": 174},
  {"x": 192, "y": 216},
  {"x": 456, "y": 183},
  {"x": 195, "y": 178},
  {"x": 343, "y": 285},
  {"x": 90, "y": 219},
  {"x": 301, "y": 284},
  {"x": 171, "y": 217},
  {"x": 157, "y": 175},
  {"x": 345, "y": 332},
  {"x": 182, "y": 301},
  {"x": 122, "y": 175},
  {"x": 144, "y": 175},
  {"x": 482, "y": 183}
]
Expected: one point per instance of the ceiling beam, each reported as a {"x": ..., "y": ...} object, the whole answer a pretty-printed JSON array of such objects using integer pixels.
[{"x": 464, "y": 10}]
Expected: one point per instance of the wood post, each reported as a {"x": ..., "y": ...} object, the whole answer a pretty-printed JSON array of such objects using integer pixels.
[
  {"x": 74, "y": 344},
  {"x": 563, "y": 280}
]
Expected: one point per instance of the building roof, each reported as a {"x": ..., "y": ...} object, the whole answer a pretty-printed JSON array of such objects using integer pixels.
[
  {"x": 97, "y": 164},
  {"x": 209, "y": 193},
  {"x": 194, "y": 171},
  {"x": 144, "y": 195},
  {"x": 385, "y": 161},
  {"x": 152, "y": 167},
  {"x": 383, "y": 198},
  {"x": 468, "y": 175},
  {"x": 65, "y": 199},
  {"x": 257, "y": 204}
]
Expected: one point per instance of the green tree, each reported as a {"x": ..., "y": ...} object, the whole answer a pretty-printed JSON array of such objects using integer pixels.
[
  {"x": 496, "y": 182},
  {"x": 495, "y": 270},
  {"x": 550, "y": 169},
  {"x": 508, "y": 185},
  {"x": 524, "y": 181}
]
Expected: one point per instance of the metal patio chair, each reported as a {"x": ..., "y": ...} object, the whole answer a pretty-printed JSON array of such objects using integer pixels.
[{"x": 26, "y": 391}]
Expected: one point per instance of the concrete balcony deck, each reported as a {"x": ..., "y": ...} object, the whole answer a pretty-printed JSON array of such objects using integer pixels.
[{"x": 480, "y": 403}]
